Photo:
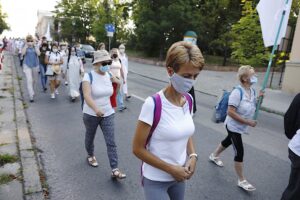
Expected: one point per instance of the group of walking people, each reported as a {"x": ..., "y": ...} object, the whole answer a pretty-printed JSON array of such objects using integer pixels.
[{"x": 163, "y": 136}]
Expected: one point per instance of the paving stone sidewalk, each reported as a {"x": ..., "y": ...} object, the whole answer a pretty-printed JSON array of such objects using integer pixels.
[{"x": 15, "y": 140}]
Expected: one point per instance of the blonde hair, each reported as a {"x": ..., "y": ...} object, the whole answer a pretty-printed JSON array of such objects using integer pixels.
[
  {"x": 243, "y": 71},
  {"x": 183, "y": 52},
  {"x": 29, "y": 38}
]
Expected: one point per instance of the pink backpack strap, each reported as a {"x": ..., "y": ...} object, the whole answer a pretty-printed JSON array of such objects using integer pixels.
[
  {"x": 156, "y": 118},
  {"x": 190, "y": 101},
  {"x": 156, "y": 115}
]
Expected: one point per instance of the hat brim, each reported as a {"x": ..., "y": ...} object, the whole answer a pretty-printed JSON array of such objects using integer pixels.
[{"x": 105, "y": 58}]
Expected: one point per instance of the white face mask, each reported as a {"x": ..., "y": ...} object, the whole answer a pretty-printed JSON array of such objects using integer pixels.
[
  {"x": 122, "y": 51},
  {"x": 253, "y": 80},
  {"x": 181, "y": 85},
  {"x": 73, "y": 53},
  {"x": 55, "y": 50}
]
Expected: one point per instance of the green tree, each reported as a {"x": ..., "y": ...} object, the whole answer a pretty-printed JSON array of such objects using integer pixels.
[
  {"x": 3, "y": 24},
  {"x": 76, "y": 18},
  {"x": 247, "y": 46}
]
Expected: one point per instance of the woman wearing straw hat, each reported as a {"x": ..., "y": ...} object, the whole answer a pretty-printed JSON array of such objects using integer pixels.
[{"x": 97, "y": 110}]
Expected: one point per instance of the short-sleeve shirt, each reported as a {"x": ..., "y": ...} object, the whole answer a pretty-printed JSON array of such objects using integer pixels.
[
  {"x": 53, "y": 57},
  {"x": 115, "y": 68},
  {"x": 101, "y": 90},
  {"x": 294, "y": 143},
  {"x": 169, "y": 139},
  {"x": 245, "y": 108}
]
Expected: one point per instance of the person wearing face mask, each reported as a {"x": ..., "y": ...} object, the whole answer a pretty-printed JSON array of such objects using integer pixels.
[
  {"x": 97, "y": 110},
  {"x": 53, "y": 59},
  {"x": 30, "y": 54},
  {"x": 75, "y": 69},
  {"x": 64, "y": 53},
  {"x": 117, "y": 70},
  {"x": 43, "y": 66},
  {"x": 169, "y": 157},
  {"x": 241, "y": 109},
  {"x": 124, "y": 61}
]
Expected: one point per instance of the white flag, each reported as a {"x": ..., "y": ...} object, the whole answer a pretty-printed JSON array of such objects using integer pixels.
[{"x": 270, "y": 13}]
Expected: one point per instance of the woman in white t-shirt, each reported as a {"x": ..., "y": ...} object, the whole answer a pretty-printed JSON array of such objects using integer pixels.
[
  {"x": 54, "y": 60},
  {"x": 241, "y": 108},
  {"x": 117, "y": 70},
  {"x": 169, "y": 157},
  {"x": 97, "y": 110}
]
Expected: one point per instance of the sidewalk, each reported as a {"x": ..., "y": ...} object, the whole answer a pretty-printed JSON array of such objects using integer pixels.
[
  {"x": 213, "y": 82},
  {"x": 19, "y": 168}
]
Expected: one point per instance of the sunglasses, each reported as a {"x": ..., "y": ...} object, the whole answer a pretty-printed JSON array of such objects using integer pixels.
[
  {"x": 30, "y": 41},
  {"x": 106, "y": 63}
]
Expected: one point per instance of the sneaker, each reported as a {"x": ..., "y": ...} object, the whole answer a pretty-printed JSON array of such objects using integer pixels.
[
  {"x": 122, "y": 108},
  {"x": 246, "y": 185},
  {"x": 56, "y": 91},
  {"x": 45, "y": 89},
  {"x": 92, "y": 161},
  {"x": 66, "y": 83},
  {"x": 127, "y": 97},
  {"x": 73, "y": 99},
  {"x": 31, "y": 100},
  {"x": 52, "y": 96},
  {"x": 216, "y": 160}
]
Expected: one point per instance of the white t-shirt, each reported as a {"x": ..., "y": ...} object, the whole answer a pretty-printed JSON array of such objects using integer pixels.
[
  {"x": 115, "y": 68},
  {"x": 245, "y": 108},
  {"x": 54, "y": 57},
  {"x": 169, "y": 139},
  {"x": 101, "y": 90},
  {"x": 294, "y": 143}
]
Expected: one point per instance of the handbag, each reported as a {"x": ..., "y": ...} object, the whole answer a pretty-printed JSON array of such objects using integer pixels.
[
  {"x": 49, "y": 71},
  {"x": 56, "y": 68}
]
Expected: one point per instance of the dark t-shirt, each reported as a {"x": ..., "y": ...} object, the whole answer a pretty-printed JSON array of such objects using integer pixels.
[{"x": 43, "y": 55}]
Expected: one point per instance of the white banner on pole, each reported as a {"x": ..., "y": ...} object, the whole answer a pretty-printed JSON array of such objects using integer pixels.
[{"x": 270, "y": 13}]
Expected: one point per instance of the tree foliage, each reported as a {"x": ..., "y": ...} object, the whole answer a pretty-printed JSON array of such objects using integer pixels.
[
  {"x": 3, "y": 24},
  {"x": 247, "y": 46}
]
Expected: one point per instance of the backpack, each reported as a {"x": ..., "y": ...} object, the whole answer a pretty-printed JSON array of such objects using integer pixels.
[
  {"x": 220, "y": 111},
  {"x": 81, "y": 91}
]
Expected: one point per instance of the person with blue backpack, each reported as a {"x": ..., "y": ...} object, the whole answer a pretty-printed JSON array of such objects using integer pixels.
[
  {"x": 163, "y": 137},
  {"x": 242, "y": 103},
  {"x": 97, "y": 111}
]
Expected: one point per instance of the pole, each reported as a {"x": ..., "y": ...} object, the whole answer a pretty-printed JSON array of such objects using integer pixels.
[
  {"x": 269, "y": 64},
  {"x": 108, "y": 44}
]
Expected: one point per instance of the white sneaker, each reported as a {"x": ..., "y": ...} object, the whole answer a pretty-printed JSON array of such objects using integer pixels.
[
  {"x": 52, "y": 96},
  {"x": 216, "y": 160},
  {"x": 56, "y": 91},
  {"x": 246, "y": 185}
]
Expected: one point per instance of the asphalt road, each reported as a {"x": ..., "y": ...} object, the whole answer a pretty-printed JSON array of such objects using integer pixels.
[{"x": 58, "y": 130}]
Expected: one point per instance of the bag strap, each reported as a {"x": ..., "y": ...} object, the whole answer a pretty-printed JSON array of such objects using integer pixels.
[
  {"x": 156, "y": 115},
  {"x": 190, "y": 101},
  {"x": 91, "y": 77}
]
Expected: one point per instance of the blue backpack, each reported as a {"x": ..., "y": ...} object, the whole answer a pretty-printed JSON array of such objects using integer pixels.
[
  {"x": 81, "y": 91},
  {"x": 221, "y": 108}
]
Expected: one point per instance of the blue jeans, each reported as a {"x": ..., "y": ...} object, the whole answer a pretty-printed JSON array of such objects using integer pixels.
[
  {"x": 120, "y": 99},
  {"x": 43, "y": 69},
  {"x": 156, "y": 190}
]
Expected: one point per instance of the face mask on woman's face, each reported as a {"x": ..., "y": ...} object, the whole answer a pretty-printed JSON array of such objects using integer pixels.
[
  {"x": 55, "y": 50},
  {"x": 122, "y": 50},
  {"x": 29, "y": 43},
  {"x": 73, "y": 53},
  {"x": 114, "y": 55},
  {"x": 181, "y": 85},
  {"x": 44, "y": 48},
  {"x": 104, "y": 68},
  {"x": 253, "y": 79}
]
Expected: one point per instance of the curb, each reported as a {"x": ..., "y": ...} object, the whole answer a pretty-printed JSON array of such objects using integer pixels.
[
  {"x": 269, "y": 110},
  {"x": 208, "y": 67},
  {"x": 30, "y": 168}
]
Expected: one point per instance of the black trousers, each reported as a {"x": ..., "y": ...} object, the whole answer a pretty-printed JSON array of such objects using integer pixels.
[
  {"x": 292, "y": 192},
  {"x": 234, "y": 139}
]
